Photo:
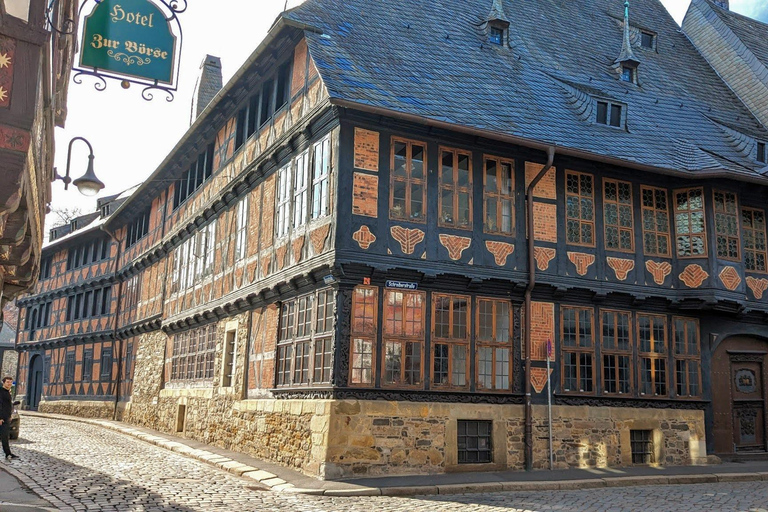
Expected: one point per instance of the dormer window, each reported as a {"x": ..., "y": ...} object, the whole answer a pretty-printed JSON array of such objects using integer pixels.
[
  {"x": 608, "y": 113},
  {"x": 496, "y": 35},
  {"x": 647, "y": 39},
  {"x": 496, "y": 24},
  {"x": 761, "y": 155},
  {"x": 626, "y": 64}
]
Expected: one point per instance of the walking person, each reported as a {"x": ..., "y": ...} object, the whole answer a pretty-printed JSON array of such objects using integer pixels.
[{"x": 6, "y": 409}]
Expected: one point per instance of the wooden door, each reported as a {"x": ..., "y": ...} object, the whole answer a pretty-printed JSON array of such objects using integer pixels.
[
  {"x": 748, "y": 395},
  {"x": 35, "y": 382},
  {"x": 739, "y": 381}
]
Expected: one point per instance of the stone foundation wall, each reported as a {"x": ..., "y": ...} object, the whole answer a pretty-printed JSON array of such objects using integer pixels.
[
  {"x": 289, "y": 432},
  {"x": 589, "y": 437},
  {"x": 147, "y": 380},
  {"x": 391, "y": 438},
  {"x": 103, "y": 409}
]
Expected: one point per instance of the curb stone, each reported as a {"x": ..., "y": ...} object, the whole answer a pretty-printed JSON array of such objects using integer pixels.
[{"x": 37, "y": 489}]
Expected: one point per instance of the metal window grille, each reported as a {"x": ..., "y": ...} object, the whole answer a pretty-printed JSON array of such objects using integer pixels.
[
  {"x": 642, "y": 446},
  {"x": 474, "y": 441}
]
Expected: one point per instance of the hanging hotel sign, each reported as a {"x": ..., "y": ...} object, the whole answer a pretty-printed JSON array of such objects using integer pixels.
[
  {"x": 129, "y": 37},
  {"x": 134, "y": 41}
]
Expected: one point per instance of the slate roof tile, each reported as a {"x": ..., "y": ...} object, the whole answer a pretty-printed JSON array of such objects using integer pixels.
[
  {"x": 430, "y": 59},
  {"x": 753, "y": 33}
]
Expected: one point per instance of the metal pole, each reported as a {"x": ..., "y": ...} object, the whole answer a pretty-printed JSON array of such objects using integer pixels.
[{"x": 549, "y": 406}]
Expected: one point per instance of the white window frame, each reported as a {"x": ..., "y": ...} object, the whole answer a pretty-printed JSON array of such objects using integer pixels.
[
  {"x": 241, "y": 228},
  {"x": 283, "y": 209},
  {"x": 301, "y": 190},
  {"x": 183, "y": 265},
  {"x": 321, "y": 178},
  {"x": 210, "y": 244}
]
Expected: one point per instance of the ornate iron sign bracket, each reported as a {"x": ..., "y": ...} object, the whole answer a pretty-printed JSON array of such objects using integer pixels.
[{"x": 62, "y": 24}]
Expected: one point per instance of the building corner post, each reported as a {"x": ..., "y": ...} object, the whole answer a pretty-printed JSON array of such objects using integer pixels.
[{"x": 530, "y": 240}]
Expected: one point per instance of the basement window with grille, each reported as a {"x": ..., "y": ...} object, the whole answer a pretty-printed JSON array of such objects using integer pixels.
[
  {"x": 474, "y": 441},
  {"x": 642, "y": 446}
]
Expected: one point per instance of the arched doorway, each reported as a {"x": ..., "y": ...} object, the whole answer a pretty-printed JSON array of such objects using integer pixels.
[
  {"x": 739, "y": 394},
  {"x": 35, "y": 388}
]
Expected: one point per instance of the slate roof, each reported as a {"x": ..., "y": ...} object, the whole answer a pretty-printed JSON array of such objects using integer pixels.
[
  {"x": 753, "y": 33},
  {"x": 431, "y": 59},
  {"x": 737, "y": 48}
]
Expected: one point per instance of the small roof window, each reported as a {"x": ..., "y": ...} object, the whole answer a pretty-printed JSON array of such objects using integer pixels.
[
  {"x": 628, "y": 74},
  {"x": 609, "y": 113},
  {"x": 496, "y": 35},
  {"x": 647, "y": 40},
  {"x": 761, "y": 154}
]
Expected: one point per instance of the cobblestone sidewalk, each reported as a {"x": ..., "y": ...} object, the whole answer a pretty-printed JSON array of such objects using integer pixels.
[{"x": 82, "y": 466}]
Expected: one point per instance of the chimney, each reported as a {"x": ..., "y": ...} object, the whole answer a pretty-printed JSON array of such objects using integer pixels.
[
  {"x": 723, "y": 4},
  {"x": 208, "y": 84}
]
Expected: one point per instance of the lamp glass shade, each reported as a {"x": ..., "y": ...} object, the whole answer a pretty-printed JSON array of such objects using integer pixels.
[{"x": 88, "y": 184}]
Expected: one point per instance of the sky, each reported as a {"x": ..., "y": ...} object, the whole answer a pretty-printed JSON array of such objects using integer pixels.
[{"x": 131, "y": 136}]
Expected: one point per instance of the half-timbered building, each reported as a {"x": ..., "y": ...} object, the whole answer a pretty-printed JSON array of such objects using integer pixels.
[
  {"x": 375, "y": 244},
  {"x": 71, "y": 359}
]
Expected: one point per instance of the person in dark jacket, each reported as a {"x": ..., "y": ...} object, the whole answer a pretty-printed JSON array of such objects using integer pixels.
[{"x": 6, "y": 409}]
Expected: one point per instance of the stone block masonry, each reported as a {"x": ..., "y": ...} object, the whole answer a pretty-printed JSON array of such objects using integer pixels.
[{"x": 400, "y": 438}]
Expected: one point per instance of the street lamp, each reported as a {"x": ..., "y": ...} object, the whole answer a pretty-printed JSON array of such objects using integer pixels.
[{"x": 88, "y": 184}]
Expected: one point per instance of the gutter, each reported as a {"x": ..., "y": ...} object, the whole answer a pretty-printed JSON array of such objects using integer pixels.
[
  {"x": 531, "y": 243},
  {"x": 118, "y": 377}
]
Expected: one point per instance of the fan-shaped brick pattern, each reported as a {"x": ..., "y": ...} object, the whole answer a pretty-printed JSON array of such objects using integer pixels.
[
  {"x": 539, "y": 378},
  {"x": 582, "y": 261},
  {"x": 758, "y": 286},
  {"x": 364, "y": 237},
  {"x": 622, "y": 267},
  {"x": 659, "y": 270},
  {"x": 500, "y": 251},
  {"x": 408, "y": 238},
  {"x": 542, "y": 328},
  {"x": 280, "y": 256},
  {"x": 455, "y": 245},
  {"x": 296, "y": 247},
  {"x": 265, "y": 266},
  {"x": 318, "y": 237},
  {"x": 543, "y": 256},
  {"x": 693, "y": 275},
  {"x": 730, "y": 278}
]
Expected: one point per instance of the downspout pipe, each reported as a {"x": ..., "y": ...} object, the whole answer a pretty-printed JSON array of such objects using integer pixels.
[
  {"x": 118, "y": 377},
  {"x": 530, "y": 240}
]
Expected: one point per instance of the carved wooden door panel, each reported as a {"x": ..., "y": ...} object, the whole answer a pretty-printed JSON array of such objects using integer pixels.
[{"x": 747, "y": 390}]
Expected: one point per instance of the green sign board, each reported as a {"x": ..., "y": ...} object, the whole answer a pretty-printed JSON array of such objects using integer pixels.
[{"x": 131, "y": 38}]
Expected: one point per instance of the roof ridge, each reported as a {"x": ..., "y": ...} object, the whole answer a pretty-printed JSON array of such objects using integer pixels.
[{"x": 733, "y": 14}]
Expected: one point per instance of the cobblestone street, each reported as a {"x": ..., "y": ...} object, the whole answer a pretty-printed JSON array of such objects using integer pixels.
[{"x": 84, "y": 467}]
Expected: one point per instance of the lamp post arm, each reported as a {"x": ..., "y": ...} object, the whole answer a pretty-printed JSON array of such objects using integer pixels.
[{"x": 66, "y": 179}]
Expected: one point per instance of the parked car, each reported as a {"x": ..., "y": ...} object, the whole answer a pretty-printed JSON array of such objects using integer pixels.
[{"x": 15, "y": 421}]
